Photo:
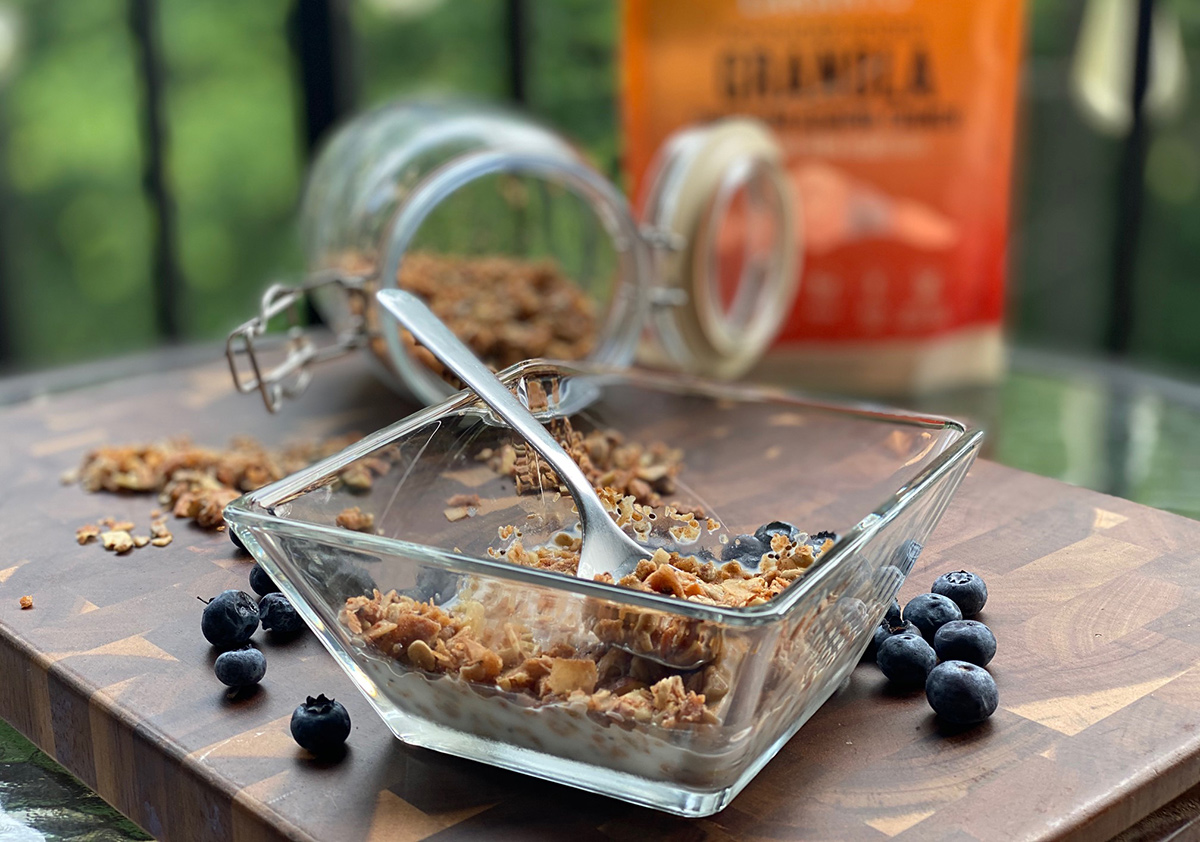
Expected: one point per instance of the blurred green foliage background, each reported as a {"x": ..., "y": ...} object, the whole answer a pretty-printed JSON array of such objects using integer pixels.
[{"x": 76, "y": 228}]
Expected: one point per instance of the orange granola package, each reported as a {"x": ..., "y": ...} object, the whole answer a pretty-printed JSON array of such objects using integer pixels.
[{"x": 897, "y": 122}]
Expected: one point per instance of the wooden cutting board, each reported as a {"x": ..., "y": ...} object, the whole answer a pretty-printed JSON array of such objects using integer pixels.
[{"x": 1093, "y": 601}]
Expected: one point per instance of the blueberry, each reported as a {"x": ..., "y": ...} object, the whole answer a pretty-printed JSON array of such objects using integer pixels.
[
  {"x": 746, "y": 549},
  {"x": 230, "y": 619},
  {"x": 767, "y": 531},
  {"x": 817, "y": 541},
  {"x": 436, "y": 584},
  {"x": 966, "y": 589},
  {"x": 906, "y": 659},
  {"x": 965, "y": 640},
  {"x": 961, "y": 693},
  {"x": 278, "y": 616},
  {"x": 260, "y": 582},
  {"x": 349, "y": 581},
  {"x": 930, "y": 611},
  {"x": 241, "y": 667},
  {"x": 886, "y": 629},
  {"x": 320, "y": 725},
  {"x": 893, "y": 612},
  {"x": 237, "y": 542}
]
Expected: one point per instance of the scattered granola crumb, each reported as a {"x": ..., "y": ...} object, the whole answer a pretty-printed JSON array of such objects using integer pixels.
[
  {"x": 162, "y": 541},
  {"x": 356, "y": 519},
  {"x": 140, "y": 541},
  {"x": 196, "y": 482},
  {"x": 26, "y": 603},
  {"x": 86, "y": 533},
  {"x": 457, "y": 513}
]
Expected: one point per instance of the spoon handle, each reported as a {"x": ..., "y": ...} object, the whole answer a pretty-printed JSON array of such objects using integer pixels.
[{"x": 431, "y": 332}]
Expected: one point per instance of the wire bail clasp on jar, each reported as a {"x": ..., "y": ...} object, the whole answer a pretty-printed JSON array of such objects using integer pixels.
[{"x": 291, "y": 377}]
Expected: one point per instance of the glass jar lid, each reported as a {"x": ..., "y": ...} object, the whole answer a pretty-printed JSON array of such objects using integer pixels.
[{"x": 720, "y": 211}]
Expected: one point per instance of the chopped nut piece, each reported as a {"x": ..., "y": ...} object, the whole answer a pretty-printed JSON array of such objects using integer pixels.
[
  {"x": 140, "y": 540},
  {"x": 356, "y": 519},
  {"x": 86, "y": 533},
  {"x": 421, "y": 655},
  {"x": 117, "y": 540},
  {"x": 26, "y": 603},
  {"x": 122, "y": 526},
  {"x": 162, "y": 541},
  {"x": 457, "y": 513}
]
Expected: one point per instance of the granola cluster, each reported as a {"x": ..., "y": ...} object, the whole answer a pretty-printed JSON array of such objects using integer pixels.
[
  {"x": 631, "y": 665},
  {"x": 605, "y": 681},
  {"x": 624, "y": 468},
  {"x": 672, "y": 639},
  {"x": 505, "y": 309},
  {"x": 197, "y": 482},
  {"x": 728, "y": 584},
  {"x": 674, "y": 574}
]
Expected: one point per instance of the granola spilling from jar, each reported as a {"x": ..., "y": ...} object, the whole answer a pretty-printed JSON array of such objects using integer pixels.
[{"x": 505, "y": 309}]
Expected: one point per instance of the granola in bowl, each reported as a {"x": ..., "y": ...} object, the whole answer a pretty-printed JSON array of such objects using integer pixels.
[{"x": 495, "y": 652}]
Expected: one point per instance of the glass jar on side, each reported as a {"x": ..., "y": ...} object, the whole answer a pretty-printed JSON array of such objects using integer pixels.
[{"x": 526, "y": 251}]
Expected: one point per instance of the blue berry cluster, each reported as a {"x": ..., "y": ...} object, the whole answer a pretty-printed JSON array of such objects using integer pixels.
[
  {"x": 230, "y": 619},
  {"x": 929, "y": 644},
  {"x": 748, "y": 550}
]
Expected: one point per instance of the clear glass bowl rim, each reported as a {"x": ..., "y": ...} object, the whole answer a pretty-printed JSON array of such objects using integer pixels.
[{"x": 254, "y": 509}]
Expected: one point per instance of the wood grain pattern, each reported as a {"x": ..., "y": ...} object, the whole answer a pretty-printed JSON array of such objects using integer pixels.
[{"x": 1092, "y": 601}]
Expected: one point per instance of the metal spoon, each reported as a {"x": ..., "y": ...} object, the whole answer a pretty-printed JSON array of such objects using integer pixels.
[{"x": 606, "y": 547}]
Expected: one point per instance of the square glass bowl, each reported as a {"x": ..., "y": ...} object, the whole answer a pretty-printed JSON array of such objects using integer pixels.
[{"x": 511, "y": 683}]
